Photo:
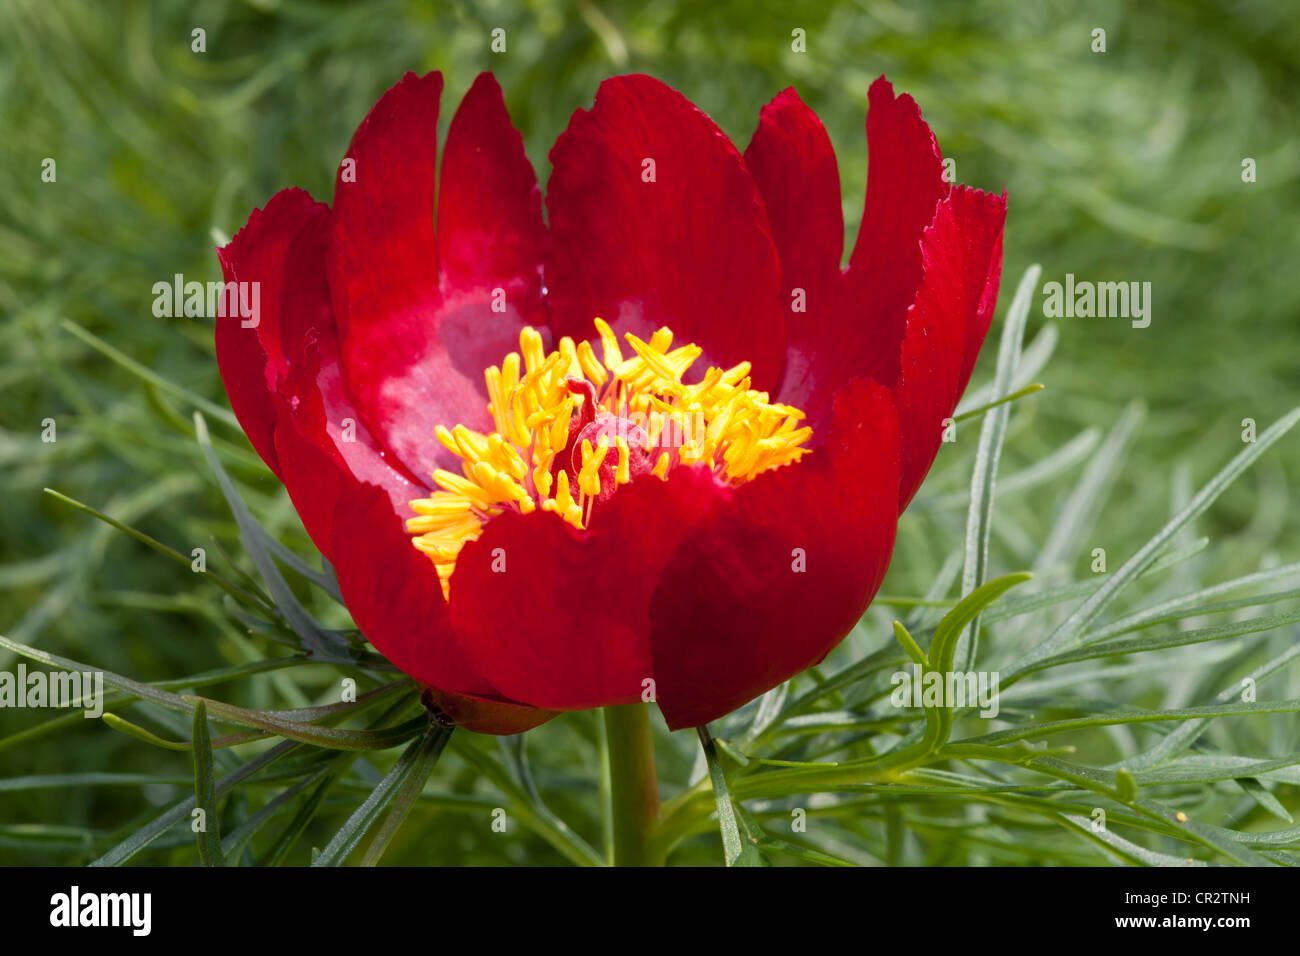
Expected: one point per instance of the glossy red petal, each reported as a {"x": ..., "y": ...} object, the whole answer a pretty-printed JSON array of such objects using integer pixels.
[
  {"x": 855, "y": 325},
  {"x": 319, "y": 445},
  {"x": 415, "y": 341},
  {"x": 393, "y": 593},
  {"x": 396, "y": 601},
  {"x": 323, "y": 458},
  {"x": 490, "y": 229},
  {"x": 904, "y": 183},
  {"x": 962, "y": 254},
  {"x": 991, "y": 216},
  {"x": 323, "y": 414},
  {"x": 690, "y": 249},
  {"x": 793, "y": 163},
  {"x": 250, "y": 356},
  {"x": 326, "y": 454},
  {"x": 766, "y": 585},
  {"x": 559, "y": 618}
]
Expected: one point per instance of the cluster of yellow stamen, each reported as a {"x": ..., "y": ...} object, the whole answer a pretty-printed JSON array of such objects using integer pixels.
[{"x": 720, "y": 422}]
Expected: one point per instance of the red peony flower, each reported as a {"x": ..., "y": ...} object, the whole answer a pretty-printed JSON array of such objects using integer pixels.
[{"x": 659, "y": 442}]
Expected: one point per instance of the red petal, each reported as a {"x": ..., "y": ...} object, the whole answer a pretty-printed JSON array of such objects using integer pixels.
[
  {"x": 559, "y": 618},
  {"x": 854, "y": 325},
  {"x": 490, "y": 230},
  {"x": 322, "y": 414},
  {"x": 690, "y": 250},
  {"x": 793, "y": 163},
  {"x": 962, "y": 252},
  {"x": 991, "y": 216},
  {"x": 319, "y": 464},
  {"x": 291, "y": 368},
  {"x": 393, "y": 593},
  {"x": 396, "y": 601},
  {"x": 415, "y": 346},
  {"x": 732, "y": 616},
  {"x": 252, "y": 360},
  {"x": 904, "y": 182}
]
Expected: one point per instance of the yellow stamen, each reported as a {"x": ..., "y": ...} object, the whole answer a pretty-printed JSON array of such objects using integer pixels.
[
  {"x": 613, "y": 357},
  {"x": 524, "y": 463},
  {"x": 623, "y": 473},
  {"x": 660, "y": 470},
  {"x": 592, "y": 459}
]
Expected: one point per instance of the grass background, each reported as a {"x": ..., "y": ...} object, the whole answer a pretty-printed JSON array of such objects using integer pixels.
[{"x": 1120, "y": 166}]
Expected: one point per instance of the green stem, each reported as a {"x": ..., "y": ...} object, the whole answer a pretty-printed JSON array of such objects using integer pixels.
[{"x": 634, "y": 787}]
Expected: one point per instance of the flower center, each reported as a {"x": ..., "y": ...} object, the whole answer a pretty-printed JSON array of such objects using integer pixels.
[{"x": 572, "y": 427}]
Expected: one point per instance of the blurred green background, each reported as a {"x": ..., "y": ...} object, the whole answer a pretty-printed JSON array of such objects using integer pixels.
[{"x": 1124, "y": 165}]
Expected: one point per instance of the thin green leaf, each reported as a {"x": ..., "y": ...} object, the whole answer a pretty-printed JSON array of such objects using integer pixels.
[
  {"x": 536, "y": 817},
  {"x": 1050, "y": 727},
  {"x": 350, "y": 834},
  {"x": 1123, "y": 850},
  {"x": 230, "y": 588},
  {"x": 298, "y": 825},
  {"x": 322, "y": 579},
  {"x": 1045, "y": 469},
  {"x": 1077, "y": 513},
  {"x": 205, "y": 793},
  {"x": 1188, "y": 733},
  {"x": 323, "y": 645},
  {"x": 736, "y": 850},
  {"x": 426, "y": 758},
  {"x": 1141, "y": 645},
  {"x": 180, "y": 812},
  {"x": 909, "y": 645},
  {"x": 1004, "y": 400},
  {"x": 979, "y": 517},
  {"x": 234, "y": 842},
  {"x": 1073, "y": 626},
  {"x": 148, "y": 375},
  {"x": 1264, "y": 797},
  {"x": 1033, "y": 359},
  {"x": 1180, "y": 608},
  {"x": 330, "y": 738}
]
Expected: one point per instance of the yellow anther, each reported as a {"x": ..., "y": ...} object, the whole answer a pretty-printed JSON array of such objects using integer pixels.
[
  {"x": 703, "y": 392},
  {"x": 592, "y": 459},
  {"x": 445, "y": 504},
  {"x": 440, "y": 550},
  {"x": 510, "y": 370},
  {"x": 443, "y": 525},
  {"x": 736, "y": 373},
  {"x": 719, "y": 422},
  {"x": 446, "y": 438},
  {"x": 691, "y": 454},
  {"x": 623, "y": 471},
  {"x": 471, "y": 444},
  {"x": 563, "y": 502},
  {"x": 542, "y": 478},
  {"x": 495, "y": 483},
  {"x": 496, "y": 398},
  {"x": 652, "y": 357},
  {"x": 609, "y": 344},
  {"x": 590, "y": 365},
  {"x": 563, "y": 499},
  {"x": 505, "y": 456},
  {"x": 530, "y": 343},
  {"x": 459, "y": 485}
]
